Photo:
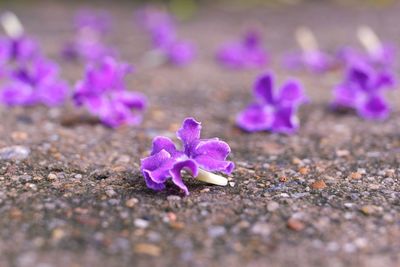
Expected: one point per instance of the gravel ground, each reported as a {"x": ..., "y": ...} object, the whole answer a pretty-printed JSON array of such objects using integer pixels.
[{"x": 71, "y": 193}]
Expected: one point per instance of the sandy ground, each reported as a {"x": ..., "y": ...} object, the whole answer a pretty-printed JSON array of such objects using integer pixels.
[{"x": 328, "y": 196}]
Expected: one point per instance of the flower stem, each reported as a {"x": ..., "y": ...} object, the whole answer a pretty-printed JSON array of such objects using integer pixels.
[
  {"x": 306, "y": 39},
  {"x": 11, "y": 24},
  {"x": 211, "y": 178},
  {"x": 369, "y": 39}
]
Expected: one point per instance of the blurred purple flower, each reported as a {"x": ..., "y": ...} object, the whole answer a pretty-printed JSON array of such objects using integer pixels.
[
  {"x": 97, "y": 21},
  {"x": 166, "y": 162},
  {"x": 88, "y": 42},
  {"x": 161, "y": 27},
  {"x": 35, "y": 82},
  {"x": 18, "y": 49},
  {"x": 315, "y": 61},
  {"x": 363, "y": 90},
  {"x": 272, "y": 111},
  {"x": 246, "y": 53},
  {"x": 87, "y": 45},
  {"x": 103, "y": 93},
  {"x": 383, "y": 56}
]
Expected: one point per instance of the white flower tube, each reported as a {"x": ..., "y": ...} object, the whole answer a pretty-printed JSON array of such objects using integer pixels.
[
  {"x": 211, "y": 178},
  {"x": 11, "y": 24}
]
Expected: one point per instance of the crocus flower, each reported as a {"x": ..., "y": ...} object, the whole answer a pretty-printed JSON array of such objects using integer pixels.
[
  {"x": 199, "y": 156},
  {"x": 35, "y": 82},
  {"x": 103, "y": 93},
  {"x": 363, "y": 90},
  {"x": 270, "y": 110},
  {"x": 162, "y": 29},
  {"x": 310, "y": 57},
  {"x": 246, "y": 53}
]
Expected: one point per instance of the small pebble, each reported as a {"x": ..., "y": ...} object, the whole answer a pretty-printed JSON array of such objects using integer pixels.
[
  {"x": 52, "y": 176},
  {"x": 295, "y": 225},
  {"x": 140, "y": 223},
  {"x": 319, "y": 184},
  {"x": 14, "y": 153},
  {"x": 148, "y": 249},
  {"x": 130, "y": 203}
]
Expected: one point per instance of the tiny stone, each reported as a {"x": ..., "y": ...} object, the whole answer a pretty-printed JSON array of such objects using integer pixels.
[
  {"x": 232, "y": 184},
  {"x": 148, "y": 249},
  {"x": 355, "y": 175},
  {"x": 111, "y": 193},
  {"x": 261, "y": 229},
  {"x": 295, "y": 224},
  {"x": 304, "y": 170},
  {"x": 319, "y": 184},
  {"x": 216, "y": 231},
  {"x": 14, "y": 153},
  {"x": 342, "y": 153},
  {"x": 272, "y": 206},
  {"x": 140, "y": 223},
  {"x": 52, "y": 176},
  {"x": 130, "y": 203}
]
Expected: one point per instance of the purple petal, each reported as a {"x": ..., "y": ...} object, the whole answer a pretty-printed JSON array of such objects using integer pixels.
[
  {"x": 292, "y": 93},
  {"x": 346, "y": 96},
  {"x": 317, "y": 61},
  {"x": 17, "y": 93},
  {"x": 181, "y": 53},
  {"x": 375, "y": 107},
  {"x": 164, "y": 143},
  {"x": 263, "y": 88},
  {"x": 52, "y": 93},
  {"x": 285, "y": 120},
  {"x": 255, "y": 117},
  {"x": 175, "y": 172},
  {"x": 132, "y": 100},
  {"x": 211, "y": 155},
  {"x": 359, "y": 75},
  {"x": 156, "y": 169},
  {"x": 246, "y": 53},
  {"x": 189, "y": 133}
]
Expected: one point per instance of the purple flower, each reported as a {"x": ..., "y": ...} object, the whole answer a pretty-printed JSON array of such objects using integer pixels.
[
  {"x": 35, "y": 82},
  {"x": 315, "y": 61},
  {"x": 87, "y": 45},
  {"x": 198, "y": 156},
  {"x": 103, "y": 93},
  {"x": 247, "y": 53},
  {"x": 363, "y": 90},
  {"x": 18, "y": 49},
  {"x": 98, "y": 21},
  {"x": 161, "y": 27},
  {"x": 88, "y": 42},
  {"x": 272, "y": 111},
  {"x": 382, "y": 56}
]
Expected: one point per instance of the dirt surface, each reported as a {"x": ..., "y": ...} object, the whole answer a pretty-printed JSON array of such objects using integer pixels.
[{"x": 328, "y": 196}]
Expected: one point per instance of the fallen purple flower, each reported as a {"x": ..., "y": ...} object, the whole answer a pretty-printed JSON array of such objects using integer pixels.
[
  {"x": 35, "y": 82},
  {"x": 161, "y": 27},
  {"x": 246, "y": 53},
  {"x": 272, "y": 111},
  {"x": 18, "y": 49},
  {"x": 199, "y": 156},
  {"x": 103, "y": 93},
  {"x": 87, "y": 45},
  {"x": 310, "y": 56},
  {"x": 98, "y": 21},
  {"x": 363, "y": 90},
  {"x": 315, "y": 61}
]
